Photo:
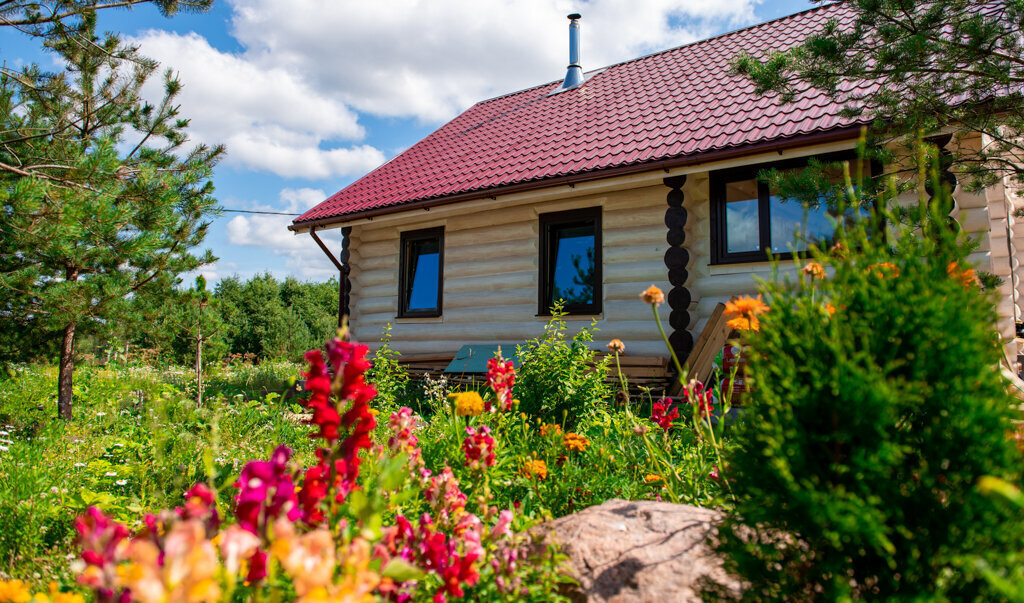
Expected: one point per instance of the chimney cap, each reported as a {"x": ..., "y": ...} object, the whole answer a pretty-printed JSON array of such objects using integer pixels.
[{"x": 575, "y": 16}]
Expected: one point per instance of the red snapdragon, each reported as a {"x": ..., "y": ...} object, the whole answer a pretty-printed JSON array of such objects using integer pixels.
[
  {"x": 663, "y": 413},
  {"x": 100, "y": 539}
]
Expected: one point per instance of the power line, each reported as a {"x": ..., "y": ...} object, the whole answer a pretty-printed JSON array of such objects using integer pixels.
[{"x": 250, "y": 211}]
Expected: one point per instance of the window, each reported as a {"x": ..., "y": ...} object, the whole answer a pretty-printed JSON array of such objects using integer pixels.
[
  {"x": 421, "y": 266},
  {"x": 748, "y": 220},
  {"x": 570, "y": 261}
]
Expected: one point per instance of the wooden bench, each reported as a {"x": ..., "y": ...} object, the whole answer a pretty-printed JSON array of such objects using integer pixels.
[{"x": 652, "y": 372}]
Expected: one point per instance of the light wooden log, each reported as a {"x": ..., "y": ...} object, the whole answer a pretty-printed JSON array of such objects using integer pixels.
[
  {"x": 370, "y": 278},
  {"x": 488, "y": 251},
  {"x": 726, "y": 285},
  {"x": 484, "y": 298},
  {"x": 516, "y": 231},
  {"x": 626, "y": 219},
  {"x": 647, "y": 253},
  {"x": 646, "y": 271},
  {"x": 507, "y": 280},
  {"x": 379, "y": 248},
  {"x": 491, "y": 314},
  {"x": 375, "y": 263},
  {"x": 490, "y": 267},
  {"x": 631, "y": 291},
  {"x": 374, "y": 305},
  {"x": 511, "y": 215},
  {"x": 634, "y": 235},
  {"x": 511, "y": 331}
]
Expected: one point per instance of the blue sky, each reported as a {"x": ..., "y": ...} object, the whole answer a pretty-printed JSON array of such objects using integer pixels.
[{"x": 309, "y": 95}]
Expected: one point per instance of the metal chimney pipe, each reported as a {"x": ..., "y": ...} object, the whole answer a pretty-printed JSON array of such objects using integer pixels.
[{"x": 574, "y": 76}]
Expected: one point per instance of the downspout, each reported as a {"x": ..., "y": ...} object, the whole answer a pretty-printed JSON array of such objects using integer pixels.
[{"x": 344, "y": 285}]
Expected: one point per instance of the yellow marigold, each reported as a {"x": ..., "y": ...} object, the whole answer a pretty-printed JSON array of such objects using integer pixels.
[
  {"x": 550, "y": 429},
  {"x": 534, "y": 469},
  {"x": 14, "y": 591},
  {"x": 574, "y": 441},
  {"x": 650, "y": 478},
  {"x": 653, "y": 295},
  {"x": 467, "y": 404},
  {"x": 616, "y": 346},
  {"x": 814, "y": 270},
  {"x": 742, "y": 313},
  {"x": 965, "y": 276},
  {"x": 884, "y": 270}
]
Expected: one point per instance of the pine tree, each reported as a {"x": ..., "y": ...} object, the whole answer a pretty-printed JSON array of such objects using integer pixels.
[
  {"x": 99, "y": 196},
  {"x": 909, "y": 66}
]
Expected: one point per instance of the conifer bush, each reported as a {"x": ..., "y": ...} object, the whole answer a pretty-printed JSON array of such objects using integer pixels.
[{"x": 876, "y": 407}]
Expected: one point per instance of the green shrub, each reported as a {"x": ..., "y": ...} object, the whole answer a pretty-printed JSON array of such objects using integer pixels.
[
  {"x": 558, "y": 379},
  {"x": 867, "y": 429},
  {"x": 388, "y": 376}
]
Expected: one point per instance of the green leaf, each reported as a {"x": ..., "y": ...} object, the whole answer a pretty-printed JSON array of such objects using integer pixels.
[{"x": 401, "y": 570}]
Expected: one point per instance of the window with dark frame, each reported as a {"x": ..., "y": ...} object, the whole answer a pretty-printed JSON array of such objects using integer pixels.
[
  {"x": 570, "y": 261},
  {"x": 748, "y": 220},
  {"x": 421, "y": 270}
]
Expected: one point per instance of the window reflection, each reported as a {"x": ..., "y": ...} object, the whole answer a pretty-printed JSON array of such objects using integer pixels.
[
  {"x": 573, "y": 263},
  {"x": 741, "y": 216},
  {"x": 423, "y": 274}
]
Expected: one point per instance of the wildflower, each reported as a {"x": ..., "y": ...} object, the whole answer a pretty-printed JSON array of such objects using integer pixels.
[
  {"x": 651, "y": 478},
  {"x": 700, "y": 397},
  {"x": 403, "y": 440},
  {"x": 478, "y": 447},
  {"x": 965, "y": 276},
  {"x": 467, "y": 404},
  {"x": 111, "y": 474},
  {"x": 99, "y": 538},
  {"x": 830, "y": 309},
  {"x": 15, "y": 591},
  {"x": 714, "y": 472},
  {"x": 660, "y": 413},
  {"x": 814, "y": 270},
  {"x": 640, "y": 430},
  {"x": 653, "y": 295},
  {"x": 121, "y": 482},
  {"x": 101, "y": 414},
  {"x": 742, "y": 313},
  {"x": 616, "y": 346},
  {"x": 501, "y": 376},
  {"x": 550, "y": 429},
  {"x": 575, "y": 442},
  {"x": 534, "y": 469},
  {"x": 884, "y": 270},
  {"x": 79, "y": 464},
  {"x": 4, "y": 448}
]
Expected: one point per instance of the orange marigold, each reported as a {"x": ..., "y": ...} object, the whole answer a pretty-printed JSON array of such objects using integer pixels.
[
  {"x": 814, "y": 270},
  {"x": 742, "y": 313},
  {"x": 884, "y": 270},
  {"x": 965, "y": 276},
  {"x": 650, "y": 478},
  {"x": 534, "y": 469},
  {"x": 616, "y": 346},
  {"x": 550, "y": 429},
  {"x": 653, "y": 295},
  {"x": 576, "y": 442},
  {"x": 830, "y": 309}
]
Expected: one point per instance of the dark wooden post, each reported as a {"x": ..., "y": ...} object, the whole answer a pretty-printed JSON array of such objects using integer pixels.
[
  {"x": 676, "y": 259},
  {"x": 344, "y": 284}
]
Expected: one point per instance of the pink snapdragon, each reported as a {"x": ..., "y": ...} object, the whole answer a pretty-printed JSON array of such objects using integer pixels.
[
  {"x": 478, "y": 447},
  {"x": 403, "y": 439},
  {"x": 501, "y": 376},
  {"x": 700, "y": 397}
]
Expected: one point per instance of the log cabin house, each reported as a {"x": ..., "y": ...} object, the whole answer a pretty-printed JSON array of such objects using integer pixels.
[{"x": 593, "y": 187}]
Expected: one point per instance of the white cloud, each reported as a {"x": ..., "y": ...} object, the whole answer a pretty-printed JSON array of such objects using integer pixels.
[
  {"x": 304, "y": 257},
  {"x": 270, "y": 119},
  {"x": 431, "y": 60}
]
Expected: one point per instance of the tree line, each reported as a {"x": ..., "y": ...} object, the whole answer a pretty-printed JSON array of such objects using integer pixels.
[{"x": 248, "y": 320}]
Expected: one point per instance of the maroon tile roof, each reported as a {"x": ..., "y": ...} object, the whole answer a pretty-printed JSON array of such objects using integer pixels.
[{"x": 674, "y": 104}]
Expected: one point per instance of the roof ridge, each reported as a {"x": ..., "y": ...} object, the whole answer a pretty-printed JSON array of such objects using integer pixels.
[{"x": 823, "y": 6}]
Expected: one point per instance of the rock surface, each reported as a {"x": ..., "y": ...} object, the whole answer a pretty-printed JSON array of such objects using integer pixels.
[{"x": 639, "y": 551}]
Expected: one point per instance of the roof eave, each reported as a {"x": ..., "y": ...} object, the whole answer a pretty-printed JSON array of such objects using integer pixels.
[{"x": 840, "y": 133}]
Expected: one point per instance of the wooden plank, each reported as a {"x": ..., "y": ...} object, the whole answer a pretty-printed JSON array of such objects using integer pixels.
[{"x": 708, "y": 344}]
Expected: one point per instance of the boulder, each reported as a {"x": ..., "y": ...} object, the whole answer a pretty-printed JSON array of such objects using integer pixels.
[{"x": 639, "y": 551}]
